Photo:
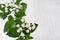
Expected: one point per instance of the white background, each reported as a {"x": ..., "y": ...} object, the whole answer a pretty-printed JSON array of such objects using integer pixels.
[{"x": 44, "y": 12}]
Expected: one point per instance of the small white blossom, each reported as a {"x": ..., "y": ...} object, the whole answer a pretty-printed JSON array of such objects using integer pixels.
[
  {"x": 33, "y": 27},
  {"x": 27, "y": 25},
  {"x": 20, "y": 6},
  {"x": 30, "y": 28},
  {"x": 27, "y": 31},
  {"x": 2, "y": 6},
  {"x": 22, "y": 20},
  {"x": 10, "y": 9},
  {"x": 14, "y": 1},
  {"x": 6, "y": 11},
  {"x": 18, "y": 25},
  {"x": 0, "y": 11},
  {"x": 14, "y": 8},
  {"x": 6, "y": 8},
  {"x": 19, "y": 30},
  {"x": 17, "y": 10},
  {"x": 23, "y": 25},
  {"x": 6, "y": 5},
  {"x": 22, "y": 34}
]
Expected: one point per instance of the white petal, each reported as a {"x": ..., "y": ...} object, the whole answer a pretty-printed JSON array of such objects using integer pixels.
[
  {"x": 27, "y": 25},
  {"x": 17, "y": 10},
  {"x": 18, "y": 25},
  {"x": 14, "y": 0},
  {"x": 0, "y": 11},
  {"x": 10, "y": 9},
  {"x": 30, "y": 28},
  {"x": 6, "y": 10},
  {"x": 27, "y": 31},
  {"x": 20, "y": 29},
  {"x": 14, "y": 8},
  {"x": 33, "y": 27},
  {"x": 22, "y": 34},
  {"x": 20, "y": 6},
  {"x": 6, "y": 5},
  {"x": 22, "y": 20},
  {"x": 2, "y": 6},
  {"x": 23, "y": 25}
]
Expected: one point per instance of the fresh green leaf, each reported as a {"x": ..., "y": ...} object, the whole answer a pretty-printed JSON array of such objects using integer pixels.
[
  {"x": 1, "y": 14},
  {"x": 8, "y": 25},
  {"x": 24, "y": 31},
  {"x": 24, "y": 6},
  {"x": 20, "y": 38},
  {"x": 20, "y": 14},
  {"x": 9, "y": 12},
  {"x": 2, "y": 7},
  {"x": 28, "y": 37},
  {"x": 18, "y": 21},
  {"x": 4, "y": 16},
  {"x": 17, "y": 2},
  {"x": 32, "y": 30},
  {"x": 13, "y": 32},
  {"x": 10, "y": 18}
]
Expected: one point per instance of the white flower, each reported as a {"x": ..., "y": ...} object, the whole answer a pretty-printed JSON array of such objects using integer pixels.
[
  {"x": 14, "y": 1},
  {"x": 30, "y": 28},
  {"x": 27, "y": 31},
  {"x": 6, "y": 11},
  {"x": 19, "y": 30},
  {"x": 10, "y": 4},
  {"x": 22, "y": 20},
  {"x": 27, "y": 25},
  {"x": 16, "y": 6},
  {"x": 6, "y": 8},
  {"x": 20, "y": 6},
  {"x": 23, "y": 25},
  {"x": 0, "y": 11},
  {"x": 18, "y": 25},
  {"x": 22, "y": 34},
  {"x": 33, "y": 27},
  {"x": 2, "y": 6},
  {"x": 17, "y": 10},
  {"x": 10, "y": 9},
  {"x": 6, "y": 5},
  {"x": 14, "y": 9}
]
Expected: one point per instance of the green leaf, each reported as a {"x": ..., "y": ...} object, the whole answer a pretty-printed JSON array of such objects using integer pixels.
[
  {"x": 17, "y": 2},
  {"x": 20, "y": 38},
  {"x": 28, "y": 37},
  {"x": 32, "y": 30},
  {"x": 4, "y": 16},
  {"x": 24, "y": 6},
  {"x": 9, "y": 12},
  {"x": 24, "y": 31},
  {"x": 2, "y": 7},
  {"x": 8, "y": 25},
  {"x": 13, "y": 32},
  {"x": 18, "y": 21},
  {"x": 10, "y": 18},
  {"x": 1, "y": 14},
  {"x": 20, "y": 14}
]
